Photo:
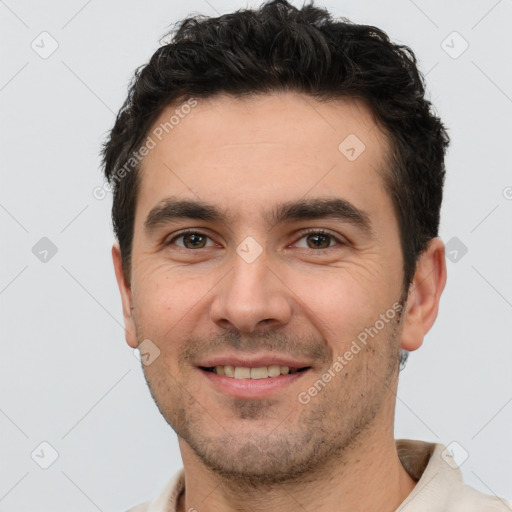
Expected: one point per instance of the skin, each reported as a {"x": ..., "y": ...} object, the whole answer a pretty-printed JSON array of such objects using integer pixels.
[{"x": 247, "y": 155}]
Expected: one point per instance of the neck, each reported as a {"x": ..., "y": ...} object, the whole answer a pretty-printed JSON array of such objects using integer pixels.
[{"x": 368, "y": 476}]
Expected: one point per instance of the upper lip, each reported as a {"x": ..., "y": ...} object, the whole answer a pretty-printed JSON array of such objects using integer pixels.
[{"x": 252, "y": 362}]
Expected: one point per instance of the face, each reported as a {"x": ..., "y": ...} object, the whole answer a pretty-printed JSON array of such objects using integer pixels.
[{"x": 260, "y": 241}]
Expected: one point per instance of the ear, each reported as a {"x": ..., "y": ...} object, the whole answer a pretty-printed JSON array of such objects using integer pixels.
[
  {"x": 126, "y": 297},
  {"x": 424, "y": 295}
]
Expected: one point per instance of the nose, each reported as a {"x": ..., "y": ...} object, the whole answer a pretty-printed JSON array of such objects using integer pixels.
[{"x": 251, "y": 295}]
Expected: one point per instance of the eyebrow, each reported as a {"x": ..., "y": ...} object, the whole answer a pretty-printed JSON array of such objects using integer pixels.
[{"x": 171, "y": 209}]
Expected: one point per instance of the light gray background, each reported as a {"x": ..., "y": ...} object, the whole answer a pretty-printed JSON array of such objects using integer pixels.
[{"x": 67, "y": 376}]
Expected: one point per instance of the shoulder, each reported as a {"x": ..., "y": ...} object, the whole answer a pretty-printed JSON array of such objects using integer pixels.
[
  {"x": 440, "y": 485},
  {"x": 467, "y": 499},
  {"x": 141, "y": 507},
  {"x": 167, "y": 499}
]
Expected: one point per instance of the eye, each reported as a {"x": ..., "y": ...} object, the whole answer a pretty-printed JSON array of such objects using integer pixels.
[
  {"x": 191, "y": 240},
  {"x": 316, "y": 239},
  {"x": 320, "y": 239}
]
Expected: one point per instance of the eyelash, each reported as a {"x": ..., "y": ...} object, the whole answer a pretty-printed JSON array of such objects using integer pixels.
[{"x": 302, "y": 235}]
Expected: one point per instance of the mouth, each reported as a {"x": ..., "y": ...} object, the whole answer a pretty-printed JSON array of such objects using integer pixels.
[
  {"x": 252, "y": 383},
  {"x": 255, "y": 373}
]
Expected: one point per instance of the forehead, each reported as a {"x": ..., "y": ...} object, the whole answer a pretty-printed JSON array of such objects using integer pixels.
[{"x": 245, "y": 152}]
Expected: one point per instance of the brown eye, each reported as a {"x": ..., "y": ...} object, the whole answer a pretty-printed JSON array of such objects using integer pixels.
[
  {"x": 196, "y": 240},
  {"x": 191, "y": 240},
  {"x": 319, "y": 241}
]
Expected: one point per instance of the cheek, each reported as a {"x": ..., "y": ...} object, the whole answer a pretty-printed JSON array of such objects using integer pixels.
[
  {"x": 165, "y": 306},
  {"x": 165, "y": 292},
  {"x": 342, "y": 302}
]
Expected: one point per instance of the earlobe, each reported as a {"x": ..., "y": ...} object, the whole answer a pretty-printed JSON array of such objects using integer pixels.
[
  {"x": 424, "y": 295},
  {"x": 126, "y": 297}
]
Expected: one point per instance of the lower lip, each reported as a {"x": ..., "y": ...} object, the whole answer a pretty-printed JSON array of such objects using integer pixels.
[{"x": 252, "y": 388}]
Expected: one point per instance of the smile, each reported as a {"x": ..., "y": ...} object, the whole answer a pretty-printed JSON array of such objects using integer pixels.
[
  {"x": 262, "y": 372},
  {"x": 252, "y": 383}
]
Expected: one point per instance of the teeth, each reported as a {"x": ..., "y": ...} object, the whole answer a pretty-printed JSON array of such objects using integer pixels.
[
  {"x": 241, "y": 372},
  {"x": 229, "y": 371},
  {"x": 274, "y": 370},
  {"x": 259, "y": 373}
]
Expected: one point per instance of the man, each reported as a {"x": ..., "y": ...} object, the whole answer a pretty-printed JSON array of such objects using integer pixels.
[{"x": 277, "y": 180}]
